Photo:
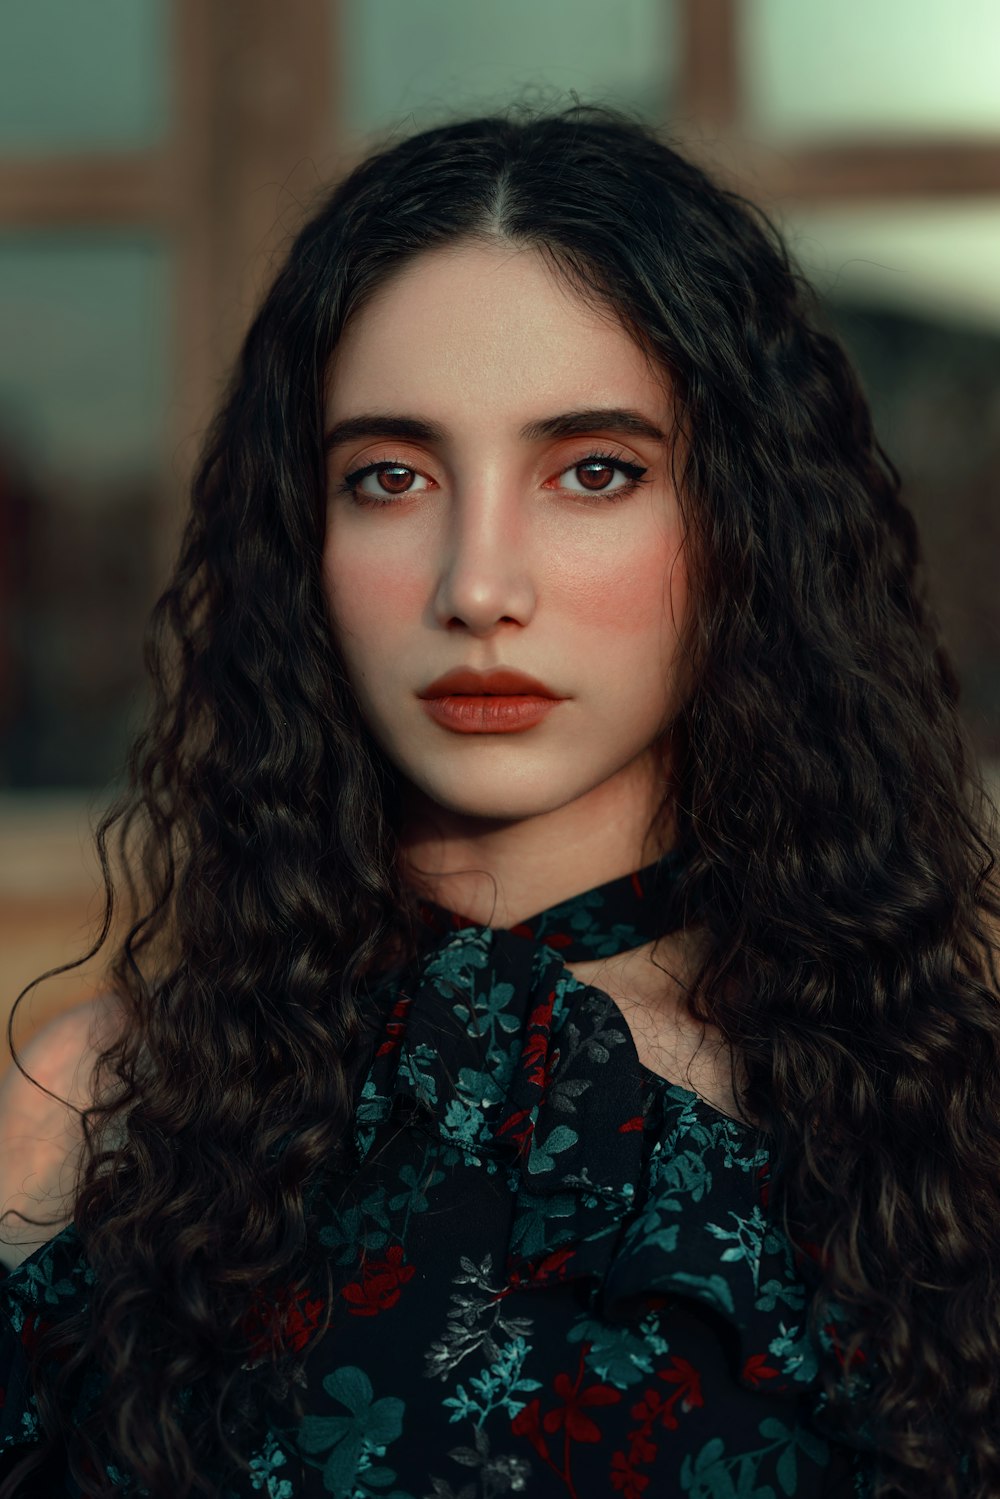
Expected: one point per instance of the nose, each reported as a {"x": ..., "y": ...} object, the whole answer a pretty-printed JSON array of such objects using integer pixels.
[{"x": 486, "y": 573}]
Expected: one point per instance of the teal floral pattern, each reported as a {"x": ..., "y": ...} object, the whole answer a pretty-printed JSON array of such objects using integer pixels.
[{"x": 554, "y": 1271}]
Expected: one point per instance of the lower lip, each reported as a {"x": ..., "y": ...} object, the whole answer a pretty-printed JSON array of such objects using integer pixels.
[{"x": 489, "y": 715}]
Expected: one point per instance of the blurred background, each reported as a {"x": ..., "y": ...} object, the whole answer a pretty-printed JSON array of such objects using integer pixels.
[{"x": 156, "y": 156}]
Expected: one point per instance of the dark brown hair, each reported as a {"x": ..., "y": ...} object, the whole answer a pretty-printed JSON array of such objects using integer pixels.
[{"x": 830, "y": 819}]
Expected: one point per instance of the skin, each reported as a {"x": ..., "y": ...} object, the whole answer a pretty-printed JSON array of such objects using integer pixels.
[
  {"x": 41, "y": 1139},
  {"x": 500, "y": 551}
]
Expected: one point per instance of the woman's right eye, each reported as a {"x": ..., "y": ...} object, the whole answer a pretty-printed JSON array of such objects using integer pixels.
[{"x": 394, "y": 474}]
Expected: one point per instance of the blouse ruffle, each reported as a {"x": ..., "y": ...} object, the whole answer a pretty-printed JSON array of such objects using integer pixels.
[{"x": 522, "y": 1069}]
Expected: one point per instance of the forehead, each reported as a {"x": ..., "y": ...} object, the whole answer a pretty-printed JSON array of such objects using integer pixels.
[{"x": 477, "y": 326}]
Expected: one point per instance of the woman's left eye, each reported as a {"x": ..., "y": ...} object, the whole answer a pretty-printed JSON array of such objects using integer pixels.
[{"x": 600, "y": 465}]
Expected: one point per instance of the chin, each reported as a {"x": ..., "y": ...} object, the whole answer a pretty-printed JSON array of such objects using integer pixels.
[{"x": 504, "y": 798}]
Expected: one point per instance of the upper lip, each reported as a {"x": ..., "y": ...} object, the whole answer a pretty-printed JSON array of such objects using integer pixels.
[{"x": 466, "y": 681}]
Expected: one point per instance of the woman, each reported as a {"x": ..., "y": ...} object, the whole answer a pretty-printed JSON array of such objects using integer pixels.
[{"x": 576, "y": 1085}]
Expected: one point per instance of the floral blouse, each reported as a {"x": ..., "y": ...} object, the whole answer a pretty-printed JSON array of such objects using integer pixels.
[{"x": 554, "y": 1271}]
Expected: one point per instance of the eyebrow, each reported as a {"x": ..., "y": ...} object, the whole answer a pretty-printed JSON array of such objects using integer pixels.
[{"x": 567, "y": 424}]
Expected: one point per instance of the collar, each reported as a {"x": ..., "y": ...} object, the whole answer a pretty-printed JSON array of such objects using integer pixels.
[{"x": 601, "y": 922}]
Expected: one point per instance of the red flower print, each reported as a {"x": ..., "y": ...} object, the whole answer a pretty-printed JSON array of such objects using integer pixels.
[
  {"x": 536, "y": 1272},
  {"x": 635, "y": 1123},
  {"x": 520, "y": 1137},
  {"x": 381, "y": 1285},
  {"x": 860, "y": 1357},
  {"x": 303, "y": 1319},
  {"x": 579, "y": 1426},
  {"x": 652, "y": 1409},
  {"x": 756, "y": 1369},
  {"x": 541, "y": 1016},
  {"x": 395, "y": 1026},
  {"x": 527, "y": 1423},
  {"x": 553, "y": 1265},
  {"x": 570, "y": 1417},
  {"x": 648, "y": 1407},
  {"x": 688, "y": 1381},
  {"x": 295, "y": 1315},
  {"x": 537, "y": 1057},
  {"x": 625, "y": 1479}
]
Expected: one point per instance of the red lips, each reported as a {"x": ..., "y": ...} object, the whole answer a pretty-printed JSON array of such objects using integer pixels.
[{"x": 465, "y": 682}]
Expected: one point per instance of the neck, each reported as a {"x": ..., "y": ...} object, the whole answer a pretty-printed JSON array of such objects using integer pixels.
[{"x": 499, "y": 872}]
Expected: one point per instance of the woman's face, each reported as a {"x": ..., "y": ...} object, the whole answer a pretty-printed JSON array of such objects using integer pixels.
[{"x": 487, "y": 544}]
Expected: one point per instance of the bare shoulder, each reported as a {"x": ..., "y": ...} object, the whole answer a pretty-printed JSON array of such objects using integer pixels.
[
  {"x": 62, "y": 1055},
  {"x": 41, "y": 1136}
]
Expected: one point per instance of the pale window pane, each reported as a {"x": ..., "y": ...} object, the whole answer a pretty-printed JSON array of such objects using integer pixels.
[
  {"x": 452, "y": 55},
  {"x": 83, "y": 375},
  {"x": 83, "y": 75},
  {"x": 851, "y": 67},
  {"x": 934, "y": 259},
  {"x": 83, "y": 353}
]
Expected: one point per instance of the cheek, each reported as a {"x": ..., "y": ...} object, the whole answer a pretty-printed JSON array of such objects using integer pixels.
[
  {"x": 369, "y": 610},
  {"x": 645, "y": 595}
]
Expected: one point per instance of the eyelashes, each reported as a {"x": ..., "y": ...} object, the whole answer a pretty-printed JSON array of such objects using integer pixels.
[{"x": 634, "y": 474}]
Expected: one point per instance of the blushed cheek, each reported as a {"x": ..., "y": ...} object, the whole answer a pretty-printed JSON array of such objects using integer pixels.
[
  {"x": 645, "y": 596},
  {"x": 367, "y": 597}
]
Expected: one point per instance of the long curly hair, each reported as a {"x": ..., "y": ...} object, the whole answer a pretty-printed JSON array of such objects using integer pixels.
[{"x": 837, "y": 839}]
